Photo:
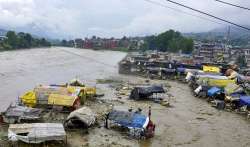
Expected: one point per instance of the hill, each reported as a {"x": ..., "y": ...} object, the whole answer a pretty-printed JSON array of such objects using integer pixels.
[{"x": 237, "y": 37}]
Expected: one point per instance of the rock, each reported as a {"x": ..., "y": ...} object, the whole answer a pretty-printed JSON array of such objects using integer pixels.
[{"x": 165, "y": 103}]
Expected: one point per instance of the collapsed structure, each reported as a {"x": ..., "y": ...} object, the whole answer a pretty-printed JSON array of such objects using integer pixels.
[
  {"x": 80, "y": 118},
  {"x": 18, "y": 114},
  {"x": 67, "y": 96},
  {"x": 36, "y": 132},
  {"x": 207, "y": 80},
  {"x": 138, "y": 125}
]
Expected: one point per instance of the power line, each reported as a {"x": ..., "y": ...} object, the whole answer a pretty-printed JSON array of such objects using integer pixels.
[
  {"x": 180, "y": 11},
  {"x": 88, "y": 58},
  {"x": 210, "y": 15},
  {"x": 233, "y": 5}
]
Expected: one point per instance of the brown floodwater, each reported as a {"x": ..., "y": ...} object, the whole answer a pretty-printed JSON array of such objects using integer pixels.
[{"x": 189, "y": 122}]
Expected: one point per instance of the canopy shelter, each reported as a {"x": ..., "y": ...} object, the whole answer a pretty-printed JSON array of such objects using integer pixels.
[
  {"x": 142, "y": 92},
  {"x": 128, "y": 119},
  {"x": 80, "y": 118}
]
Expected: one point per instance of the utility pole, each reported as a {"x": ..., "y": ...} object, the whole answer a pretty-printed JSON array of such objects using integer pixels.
[{"x": 228, "y": 42}]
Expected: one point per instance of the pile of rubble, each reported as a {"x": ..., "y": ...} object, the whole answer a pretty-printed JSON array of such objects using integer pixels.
[{"x": 46, "y": 113}]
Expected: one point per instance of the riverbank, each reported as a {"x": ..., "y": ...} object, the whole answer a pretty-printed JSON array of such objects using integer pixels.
[{"x": 19, "y": 49}]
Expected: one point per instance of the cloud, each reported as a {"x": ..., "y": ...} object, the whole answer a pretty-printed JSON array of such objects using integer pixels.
[{"x": 81, "y": 18}]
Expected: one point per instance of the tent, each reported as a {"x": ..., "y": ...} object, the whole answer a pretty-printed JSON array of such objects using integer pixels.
[{"x": 83, "y": 117}]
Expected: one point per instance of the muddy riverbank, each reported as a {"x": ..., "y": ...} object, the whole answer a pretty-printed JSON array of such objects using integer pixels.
[{"x": 188, "y": 122}]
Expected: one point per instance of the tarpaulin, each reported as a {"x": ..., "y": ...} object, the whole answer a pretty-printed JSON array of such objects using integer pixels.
[
  {"x": 128, "y": 119},
  {"x": 212, "y": 91},
  {"x": 233, "y": 88},
  {"x": 61, "y": 100},
  {"x": 36, "y": 132},
  {"x": 219, "y": 82},
  {"x": 85, "y": 115},
  {"x": 211, "y": 69},
  {"x": 29, "y": 99},
  {"x": 18, "y": 113},
  {"x": 142, "y": 92},
  {"x": 245, "y": 101},
  {"x": 180, "y": 69}
]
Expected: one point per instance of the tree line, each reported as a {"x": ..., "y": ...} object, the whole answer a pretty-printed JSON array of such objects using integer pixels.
[
  {"x": 22, "y": 40},
  {"x": 170, "y": 41}
]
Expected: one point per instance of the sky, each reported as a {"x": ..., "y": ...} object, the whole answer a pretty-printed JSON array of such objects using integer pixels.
[{"x": 114, "y": 18}]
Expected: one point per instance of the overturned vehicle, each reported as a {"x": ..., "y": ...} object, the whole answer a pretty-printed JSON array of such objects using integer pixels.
[{"x": 135, "y": 123}]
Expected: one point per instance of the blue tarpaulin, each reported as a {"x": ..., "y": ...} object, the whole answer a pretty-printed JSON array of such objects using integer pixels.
[
  {"x": 212, "y": 91},
  {"x": 245, "y": 100},
  {"x": 180, "y": 69},
  {"x": 128, "y": 119}
]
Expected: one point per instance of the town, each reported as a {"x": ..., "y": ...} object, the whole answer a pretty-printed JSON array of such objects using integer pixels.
[{"x": 145, "y": 73}]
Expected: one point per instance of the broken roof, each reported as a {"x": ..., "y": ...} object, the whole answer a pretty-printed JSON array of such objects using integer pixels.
[{"x": 22, "y": 111}]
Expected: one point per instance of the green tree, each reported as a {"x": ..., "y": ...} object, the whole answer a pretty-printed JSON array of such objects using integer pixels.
[
  {"x": 171, "y": 41},
  {"x": 12, "y": 39}
]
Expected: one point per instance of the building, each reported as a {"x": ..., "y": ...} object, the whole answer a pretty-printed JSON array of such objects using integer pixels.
[
  {"x": 2, "y": 38},
  {"x": 246, "y": 52},
  {"x": 212, "y": 52},
  {"x": 78, "y": 43}
]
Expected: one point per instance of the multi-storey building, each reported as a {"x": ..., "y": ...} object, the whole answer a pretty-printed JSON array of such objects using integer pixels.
[{"x": 212, "y": 52}]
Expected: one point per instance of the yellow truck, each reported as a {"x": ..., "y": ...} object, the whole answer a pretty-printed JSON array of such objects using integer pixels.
[{"x": 66, "y": 96}]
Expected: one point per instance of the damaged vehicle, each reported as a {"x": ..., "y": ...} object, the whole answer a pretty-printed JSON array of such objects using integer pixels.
[
  {"x": 135, "y": 123},
  {"x": 80, "y": 118},
  {"x": 18, "y": 114},
  {"x": 36, "y": 133}
]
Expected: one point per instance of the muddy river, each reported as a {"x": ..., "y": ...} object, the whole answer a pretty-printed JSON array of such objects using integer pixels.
[{"x": 189, "y": 122}]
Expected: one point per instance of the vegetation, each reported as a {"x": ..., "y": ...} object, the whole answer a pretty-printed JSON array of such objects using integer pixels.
[
  {"x": 21, "y": 41},
  {"x": 170, "y": 41}
]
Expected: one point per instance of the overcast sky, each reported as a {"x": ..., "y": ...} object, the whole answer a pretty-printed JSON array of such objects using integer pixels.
[{"x": 106, "y": 18}]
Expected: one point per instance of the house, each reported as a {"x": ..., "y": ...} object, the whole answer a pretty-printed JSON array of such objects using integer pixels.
[
  {"x": 212, "y": 52},
  {"x": 246, "y": 52},
  {"x": 2, "y": 38},
  {"x": 238, "y": 52}
]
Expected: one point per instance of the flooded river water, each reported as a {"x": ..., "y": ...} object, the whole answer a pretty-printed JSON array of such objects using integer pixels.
[
  {"x": 189, "y": 122},
  {"x": 22, "y": 70}
]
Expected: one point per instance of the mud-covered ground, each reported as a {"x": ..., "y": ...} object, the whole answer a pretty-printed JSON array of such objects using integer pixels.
[{"x": 188, "y": 121}]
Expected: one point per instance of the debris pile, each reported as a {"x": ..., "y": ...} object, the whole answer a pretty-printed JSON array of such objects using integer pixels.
[
  {"x": 36, "y": 132},
  {"x": 42, "y": 114},
  {"x": 224, "y": 85}
]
